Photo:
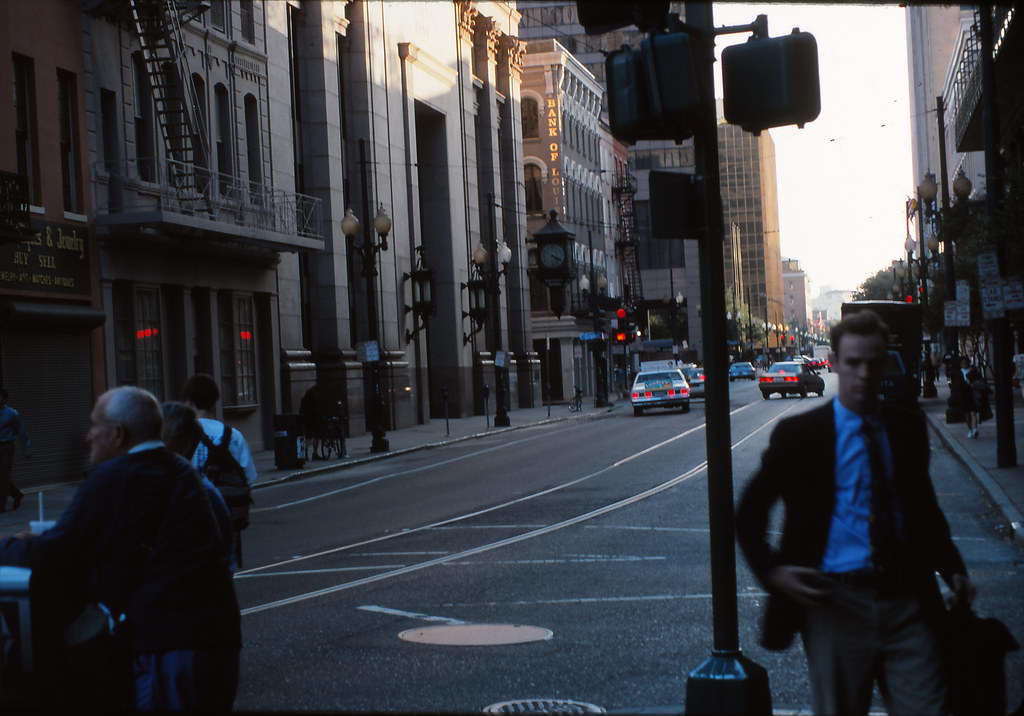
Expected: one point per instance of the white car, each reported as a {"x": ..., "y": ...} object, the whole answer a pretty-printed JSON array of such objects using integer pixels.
[{"x": 660, "y": 389}]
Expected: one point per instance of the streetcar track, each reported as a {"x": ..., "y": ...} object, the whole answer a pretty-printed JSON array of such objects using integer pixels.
[{"x": 498, "y": 544}]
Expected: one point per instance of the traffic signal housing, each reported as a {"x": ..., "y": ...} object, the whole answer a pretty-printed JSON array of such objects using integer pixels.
[
  {"x": 771, "y": 81},
  {"x": 653, "y": 92}
]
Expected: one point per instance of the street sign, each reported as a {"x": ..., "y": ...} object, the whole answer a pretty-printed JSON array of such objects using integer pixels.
[
  {"x": 988, "y": 265},
  {"x": 368, "y": 352},
  {"x": 590, "y": 336},
  {"x": 1013, "y": 292}
]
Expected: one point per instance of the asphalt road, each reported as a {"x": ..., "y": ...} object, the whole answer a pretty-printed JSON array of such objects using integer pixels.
[{"x": 595, "y": 531}]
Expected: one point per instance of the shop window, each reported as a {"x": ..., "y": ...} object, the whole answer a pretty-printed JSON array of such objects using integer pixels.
[
  {"x": 237, "y": 327},
  {"x": 137, "y": 338}
]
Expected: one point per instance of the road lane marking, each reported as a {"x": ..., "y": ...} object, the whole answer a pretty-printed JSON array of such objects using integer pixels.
[
  {"x": 409, "y": 615},
  {"x": 650, "y": 492},
  {"x": 592, "y": 600},
  {"x": 323, "y": 570}
]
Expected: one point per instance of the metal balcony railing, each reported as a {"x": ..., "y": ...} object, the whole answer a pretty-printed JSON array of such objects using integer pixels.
[
  {"x": 155, "y": 184},
  {"x": 965, "y": 89}
]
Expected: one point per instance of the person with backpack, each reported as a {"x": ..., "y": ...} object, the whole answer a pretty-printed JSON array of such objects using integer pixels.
[{"x": 222, "y": 454}]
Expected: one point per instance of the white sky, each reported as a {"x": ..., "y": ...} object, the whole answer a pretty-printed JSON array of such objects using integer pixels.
[{"x": 844, "y": 178}]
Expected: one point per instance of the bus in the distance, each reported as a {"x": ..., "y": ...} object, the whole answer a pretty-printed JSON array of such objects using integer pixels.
[{"x": 902, "y": 381}]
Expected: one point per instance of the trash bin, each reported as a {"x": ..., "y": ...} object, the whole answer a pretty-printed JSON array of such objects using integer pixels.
[
  {"x": 289, "y": 441},
  {"x": 15, "y": 618}
]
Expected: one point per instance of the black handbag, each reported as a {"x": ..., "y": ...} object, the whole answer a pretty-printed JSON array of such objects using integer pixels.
[{"x": 975, "y": 649}]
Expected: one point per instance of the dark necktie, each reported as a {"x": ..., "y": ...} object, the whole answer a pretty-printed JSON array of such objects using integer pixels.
[{"x": 884, "y": 542}]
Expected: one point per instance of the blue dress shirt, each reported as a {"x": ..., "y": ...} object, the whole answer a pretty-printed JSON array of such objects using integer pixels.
[{"x": 849, "y": 536}]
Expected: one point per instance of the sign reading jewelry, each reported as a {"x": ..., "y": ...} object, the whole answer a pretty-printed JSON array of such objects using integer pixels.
[{"x": 54, "y": 258}]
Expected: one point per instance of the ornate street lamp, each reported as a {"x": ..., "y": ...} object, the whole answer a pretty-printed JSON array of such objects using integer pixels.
[
  {"x": 370, "y": 248},
  {"x": 485, "y": 307},
  {"x": 423, "y": 304}
]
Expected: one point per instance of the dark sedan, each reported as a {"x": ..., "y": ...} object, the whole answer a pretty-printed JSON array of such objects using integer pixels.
[
  {"x": 741, "y": 371},
  {"x": 791, "y": 377}
]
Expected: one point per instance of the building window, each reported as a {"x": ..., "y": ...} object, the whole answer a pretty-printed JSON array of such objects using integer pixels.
[
  {"x": 199, "y": 153},
  {"x": 145, "y": 156},
  {"x": 218, "y": 14},
  {"x": 248, "y": 13},
  {"x": 71, "y": 172},
  {"x": 236, "y": 319},
  {"x": 534, "y": 197},
  {"x": 225, "y": 160},
  {"x": 252, "y": 148},
  {"x": 25, "y": 125},
  {"x": 531, "y": 119},
  {"x": 137, "y": 338}
]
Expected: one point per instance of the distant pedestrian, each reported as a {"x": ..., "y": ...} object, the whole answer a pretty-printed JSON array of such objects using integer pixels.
[
  {"x": 180, "y": 434},
  {"x": 201, "y": 392},
  {"x": 979, "y": 392},
  {"x": 311, "y": 409},
  {"x": 963, "y": 396},
  {"x": 11, "y": 428},
  {"x": 854, "y": 570}
]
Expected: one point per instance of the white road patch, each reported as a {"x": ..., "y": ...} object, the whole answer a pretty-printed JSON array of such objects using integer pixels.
[
  {"x": 591, "y": 600},
  {"x": 647, "y": 529},
  {"x": 409, "y": 615}
]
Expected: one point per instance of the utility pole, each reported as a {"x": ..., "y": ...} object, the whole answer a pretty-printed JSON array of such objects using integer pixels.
[
  {"x": 1006, "y": 449},
  {"x": 727, "y": 682}
]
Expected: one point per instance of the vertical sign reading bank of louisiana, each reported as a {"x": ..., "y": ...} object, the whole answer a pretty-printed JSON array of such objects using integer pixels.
[
  {"x": 554, "y": 156},
  {"x": 53, "y": 258}
]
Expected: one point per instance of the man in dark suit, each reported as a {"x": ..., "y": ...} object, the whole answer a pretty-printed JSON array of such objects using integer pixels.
[
  {"x": 862, "y": 537},
  {"x": 140, "y": 537}
]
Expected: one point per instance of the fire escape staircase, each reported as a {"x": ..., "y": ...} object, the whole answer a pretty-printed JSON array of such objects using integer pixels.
[
  {"x": 158, "y": 26},
  {"x": 627, "y": 244}
]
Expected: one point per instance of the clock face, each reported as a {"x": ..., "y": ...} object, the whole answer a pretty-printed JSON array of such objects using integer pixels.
[{"x": 552, "y": 255}]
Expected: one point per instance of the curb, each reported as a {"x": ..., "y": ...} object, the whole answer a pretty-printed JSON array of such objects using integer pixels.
[
  {"x": 1010, "y": 513},
  {"x": 312, "y": 472}
]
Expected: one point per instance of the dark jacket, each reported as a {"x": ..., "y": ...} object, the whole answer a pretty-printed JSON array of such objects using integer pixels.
[
  {"x": 140, "y": 536},
  {"x": 798, "y": 468}
]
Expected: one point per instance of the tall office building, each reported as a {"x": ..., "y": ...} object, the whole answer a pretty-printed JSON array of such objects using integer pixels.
[{"x": 750, "y": 202}]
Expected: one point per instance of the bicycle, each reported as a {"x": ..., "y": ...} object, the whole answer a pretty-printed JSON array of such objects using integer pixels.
[
  {"x": 332, "y": 441},
  {"x": 576, "y": 404}
]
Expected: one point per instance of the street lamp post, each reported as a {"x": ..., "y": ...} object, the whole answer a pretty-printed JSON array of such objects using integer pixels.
[
  {"x": 370, "y": 248},
  {"x": 926, "y": 192},
  {"x": 491, "y": 265}
]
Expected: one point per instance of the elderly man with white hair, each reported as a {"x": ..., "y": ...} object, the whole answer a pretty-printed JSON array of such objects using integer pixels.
[{"x": 140, "y": 538}]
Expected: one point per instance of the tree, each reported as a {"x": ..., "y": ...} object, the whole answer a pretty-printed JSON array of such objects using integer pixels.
[{"x": 877, "y": 287}]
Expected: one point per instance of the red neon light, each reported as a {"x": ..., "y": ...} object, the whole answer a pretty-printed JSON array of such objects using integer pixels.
[
  {"x": 146, "y": 333},
  {"x": 245, "y": 335}
]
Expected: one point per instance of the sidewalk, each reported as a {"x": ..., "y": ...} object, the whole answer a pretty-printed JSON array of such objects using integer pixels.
[{"x": 1004, "y": 486}]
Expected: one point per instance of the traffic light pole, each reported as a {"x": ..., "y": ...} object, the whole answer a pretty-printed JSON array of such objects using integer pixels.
[
  {"x": 727, "y": 682},
  {"x": 598, "y": 344}
]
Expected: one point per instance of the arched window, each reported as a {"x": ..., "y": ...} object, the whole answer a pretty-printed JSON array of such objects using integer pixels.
[
  {"x": 534, "y": 199},
  {"x": 531, "y": 124}
]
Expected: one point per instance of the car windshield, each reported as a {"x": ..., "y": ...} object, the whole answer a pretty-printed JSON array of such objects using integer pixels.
[
  {"x": 789, "y": 368},
  {"x": 693, "y": 372},
  {"x": 658, "y": 377},
  {"x": 740, "y": 367}
]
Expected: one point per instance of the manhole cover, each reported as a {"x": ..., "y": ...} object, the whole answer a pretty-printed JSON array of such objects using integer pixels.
[
  {"x": 543, "y": 706},
  {"x": 475, "y": 634}
]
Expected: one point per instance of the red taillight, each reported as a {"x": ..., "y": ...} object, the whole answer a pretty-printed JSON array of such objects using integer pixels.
[
  {"x": 684, "y": 392},
  {"x": 764, "y": 379},
  {"x": 791, "y": 379},
  {"x": 635, "y": 396},
  {"x": 671, "y": 392},
  {"x": 648, "y": 394}
]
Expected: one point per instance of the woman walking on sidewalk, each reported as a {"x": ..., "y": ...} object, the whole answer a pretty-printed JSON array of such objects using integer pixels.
[{"x": 963, "y": 395}]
